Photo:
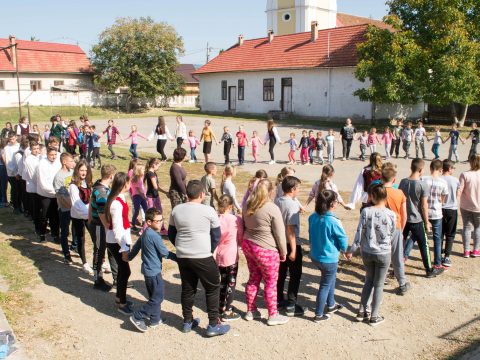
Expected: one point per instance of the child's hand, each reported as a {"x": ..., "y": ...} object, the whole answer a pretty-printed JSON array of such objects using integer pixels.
[
  {"x": 125, "y": 256},
  {"x": 348, "y": 256}
]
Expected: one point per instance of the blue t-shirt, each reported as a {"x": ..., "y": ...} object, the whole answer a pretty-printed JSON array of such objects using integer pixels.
[{"x": 454, "y": 135}]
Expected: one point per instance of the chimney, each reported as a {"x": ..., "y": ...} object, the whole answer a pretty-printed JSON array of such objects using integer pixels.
[
  {"x": 270, "y": 36},
  {"x": 13, "y": 49},
  {"x": 314, "y": 31},
  {"x": 240, "y": 40}
]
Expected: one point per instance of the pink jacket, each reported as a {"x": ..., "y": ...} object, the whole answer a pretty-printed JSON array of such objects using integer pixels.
[{"x": 226, "y": 253}]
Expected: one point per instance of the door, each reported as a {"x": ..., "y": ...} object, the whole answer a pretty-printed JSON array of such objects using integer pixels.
[
  {"x": 287, "y": 95},
  {"x": 232, "y": 98}
]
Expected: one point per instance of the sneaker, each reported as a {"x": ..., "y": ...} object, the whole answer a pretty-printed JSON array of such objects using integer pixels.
[
  {"x": 335, "y": 308},
  {"x": 101, "y": 285},
  {"x": 446, "y": 261},
  {"x": 187, "y": 327},
  {"x": 362, "y": 316},
  {"x": 218, "y": 329},
  {"x": 74, "y": 249},
  {"x": 67, "y": 260},
  {"x": 435, "y": 271},
  {"x": 56, "y": 239},
  {"x": 191, "y": 161},
  {"x": 295, "y": 310},
  {"x": 125, "y": 309},
  {"x": 277, "y": 320},
  {"x": 253, "y": 315},
  {"x": 344, "y": 159},
  {"x": 230, "y": 316},
  {"x": 157, "y": 324},
  {"x": 42, "y": 239},
  {"x": 87, "y": 269},
  {"x": 374, "y": 321},
  {"x": 139, "y": 324},
  {"x": 106, "y": 268},
  {"x": 321, "y": 318},
  {"x": 402, "y": 290},
  {"x": 271, "y": 162},
  {"x": 466, "y": 254},
  {"x": 475, "y": 253}
]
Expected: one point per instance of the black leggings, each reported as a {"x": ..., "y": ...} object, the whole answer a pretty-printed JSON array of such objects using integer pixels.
[
  {"x": 347, "y": 145},
  {"x": 271, "y": 146},
  {"x": 97, "y": 233},
  {"x": 228, "y": 281},
  {"x": 79, "y": 230},
  {"x": 161, "y": 148},
  {"x": 123, "y": 273},
  {"x": 179, "y": 142},
  {"x": 294, "y": 268}
]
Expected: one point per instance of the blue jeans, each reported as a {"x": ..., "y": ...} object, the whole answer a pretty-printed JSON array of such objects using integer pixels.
[
  {"x": 138, "y": 201},
  {"x": 64, "y": 218},
  {"x": 435, "y": 148},
  {"x": 310, "y": 155},
  {"x": 437, "y": 241},
  {"x": 3, "y": 184},
  {"x": 241, "y": 154},
  {"x": 133, "y": 151},
  {"x": 151, "y": 310},
  {"x": 326, "y": 291},
  {"x": 193, "y": 156}
]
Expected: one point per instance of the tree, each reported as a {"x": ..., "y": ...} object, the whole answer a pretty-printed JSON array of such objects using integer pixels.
[
  {"x": 431, "y": 54},
  {"x": 141, "y": 55}
]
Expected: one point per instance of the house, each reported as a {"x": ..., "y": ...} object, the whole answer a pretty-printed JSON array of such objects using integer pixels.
[
  {"x": 48, "y": 74},
  {"x": 191, "y": 88},
  {"x": 305, "y": 73}
]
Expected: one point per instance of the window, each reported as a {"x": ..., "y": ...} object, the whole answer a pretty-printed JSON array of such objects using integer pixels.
[
  {"x": 2, "y": 84},
  {"x": 268, "y": 89},
  {"x": 35, "y": 85},
  {"x": 58, "y": 82},
  {"x": 241, "y": 89},
  {"x": 287, "y": 82},
  {"x": 224, "y": 89}
]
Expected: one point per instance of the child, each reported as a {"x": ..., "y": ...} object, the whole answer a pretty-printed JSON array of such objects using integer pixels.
[
  {"x": 134, "y": 135},
  {"x": 226, "y": 256},
  {"x": 313, "y": 145},
  {"x": 420, "y": 135},
  {"x": 137, "y": 192},
  {"x": 8, "y": 127},
  {"x": 153, "y": 187},
  {"x": 320, "y": 144},
  {"x": 35, "y": 129},
  {"x": 153, "y": 250},
  {"x": 325, "y": 183},
  {"x": 449, "y": 211},
  {"x": 70, "y": 140},
  {"x": 112, "y": 132},
  {"x": 286, "y": 171},
  {"x": 373, "y": 140},
  {"x": 46, "y": 133},
  {"x": 304, "y": 145},
  {"x": 437, "y": 192},
  {"x": 374, "y": 237},
  {"x": 96, "y": 148},
  {"x": 252, "y": 184},
  {"x": 387, "y": 138},
  {"x": 227, "y": 144},
  {"x": 9, "y": 157},
  {"x": 475, "y": 136},
  {"x": 82, "y": 144},
  {"x": 453, "y": 135},
  {"x": 228, "y": 187},
  {"x": 437, "y": 140},
  {"x": 193, "y": 142},
  {"x": 255, "y": 141},
  {"x": 407, "y": 135},
  {"x": 330, "y": 146},
  {"x": 241, "y": 141},
  {"x": 209, "y": 186},
  {"x": 363, "y": 139},
  {"x": 397, "y": 133},
  {"x": 327, "y": 240},
  {"x": 293, "y": 146}
]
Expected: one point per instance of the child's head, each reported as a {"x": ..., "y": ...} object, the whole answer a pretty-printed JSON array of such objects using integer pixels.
[
  {"x": 310, "y": 133},
  {"x": 67, "y": 161},
  {"x": 292, "y": 135},
  {"x": 195, "y": 190},
  {"x": 12, "y": 138},
  {"x": 437, "y": 128},
  {"x": 225, "y": 204},
  {"x": 132, "y": 164},
  {"x": 474, "y": 161},
  {"x": 47, "y": 127},
  {"x": 377, "y": 194},
  {"x": 152, "y": 165},
  {"x": 240, "y": 128},
  {"x": 319, "y": 134},
  {"x": 474, "y": 125},
  {"x": 179, "y": 119},
  {"x": 365, "y": 132},
  {"x": 92, "y": 128},
  {"x": 179, "y": 155},
  {"x": 387, "y": 129},
  {"x": 207, "y": 123},
  {"x": 24, "y": 142},
  {"x": 409, "y": 125},
  {"x": 326, "y": 201},
  {"x": 304, "y": 133},
  {"x": 225, "y": 129},
  {"x": 286, "y": 171},
  {"x": 110, "y": 122},
  {"x": 154, "y": 219},
  {"x": 228, "y": 171},
  {"x": 108, "y": 171},
  {"x": 454, "y": 126},
  {"x": 138, "y": 171},
  {"x": 51, "y": 154},
  {"x": 448, "y": 167},
  {"x": 261, "y": 174},
  {"x": 191, "y": 133},
  {"x": 373, "y": 130},
  {"x": 420, "y": 124},
  {"x": 23, "y": 120},
  {"x": 134, "y": 128},
  {"x": 389, "y": 172},
  {"x": 399, "y": 122},
  {"x": 35, "y": 127},
  {"x": 291, "y": 185},
  {"x": 34, "y": 148},
  {"x": 210, "y": 168},
  {"x": 417, "y": 166},
  {"x": 254, "y": 134},
  {"x": 436, "y": 166},
  {"x": 8, "y": 125},
  {"x": 330, "y": 132}
]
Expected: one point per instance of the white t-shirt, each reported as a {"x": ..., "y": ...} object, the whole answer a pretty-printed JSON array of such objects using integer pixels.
[
  {"x": 419, "y": 133},
  {"x": 437, "y": 187}
]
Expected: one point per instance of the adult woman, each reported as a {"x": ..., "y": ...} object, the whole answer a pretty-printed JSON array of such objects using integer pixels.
[
  {"x": 264, "y": 247},
  {"x": 208, "y": 137},
  {"x": 347, "y": 132},
  {"x": 178, "y": 187},
  {"x": 6, "y": 130},
  {"x": 80, "y": 190},
  {"x": 272, "y": 138},
  {"x": 469, "y": 196},
  {"x": 369, "y": 174},
  {"x": 180, "y": 131},
  {"x": 118, "y": 236},
  {"x": 161, "y": 134}
]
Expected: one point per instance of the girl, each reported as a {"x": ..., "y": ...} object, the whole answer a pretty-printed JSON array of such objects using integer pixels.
[
  {"x": 208, "y": 137},
  {"x": 228, "y": 187},
  {"x": 80, "y": 190},
  {"x": 303, "y": 146},
  {"x": 387, "y": 138},
  {"x": 193, "y": 142},
  {"x": 327, "y": 240},
  {"x": 71, "y": 142},
  {"x": 330, "y": 139},
  {"x": 437, "y": 140},
  {"x": 153, "y": 188},
  {"x": 374, "y": 237},
  {"x": 180, "y": 131},
  {"x": 252, "y": 184},
  {"x": 367, "y": 176},
  {"x": 130, "y": 173},
  {"x": 119, "y": 238},
  {"x": 255, "y": 141},
  {"x": 286, "y": 171},
  {"x": 134, "y": 135},
  {"x": 137, "y": 192},
  {"x": 373, "y": 140},
  {"x": 23, "y": 127},
  {"x": 112, "y": 132},
  {"x": 226, "y": 256},
  {"x": 46, "y": 134},
  {"x": 264, "y": 246},
  {"x": 35, "y": 130},
  {"x": 272, "y": 138},
  {"x": 6, "y": 130},
  {"x": 161, "y": 134},
  {"x": 178, "y": 186},
  {"x": 325, "y": 183},
  {"x": 293, "y": 147}
]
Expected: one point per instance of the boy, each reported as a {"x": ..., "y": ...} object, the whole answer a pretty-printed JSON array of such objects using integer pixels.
[
  {"x": 10, "y": 150},
  {"x": 475, "y": 136},
  {"x": 420, "y": 134},
  {"x": 454, "y": 136},
  {"x": 290, "y": 209},
  {"x": 320, "y": 144},
  {"x": 227, "y": 144},
  {"x": 96, "y": 147},
  {"x": 61, "y": 182},
  {"x": 194, "y": 230},
  {"x": 313, "y": 145},
  {"x": 416, "y": 193},
  {"x": 363, "y": 138},
  {"x": 31, "y": 163},
  {"x": 397, "y": 133},
  {"x": 153, "y": 250},
  {"x": 241, "y": 141},
  {"x": 20, "y": 183},
  {"x": 407, "y": 135},
  {"x": 304, "y": 146},
  {"x": 449, "y": 211},
  {"x": 112, "y": 132},
  {"x": 330, "y": 146},
  {"x": 209, "y": 186}
]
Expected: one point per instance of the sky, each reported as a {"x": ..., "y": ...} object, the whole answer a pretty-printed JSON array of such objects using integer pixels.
[{"x": 198, "y": 22}]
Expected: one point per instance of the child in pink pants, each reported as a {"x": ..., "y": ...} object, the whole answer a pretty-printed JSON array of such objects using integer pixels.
[{"x": 255, "y": 142}]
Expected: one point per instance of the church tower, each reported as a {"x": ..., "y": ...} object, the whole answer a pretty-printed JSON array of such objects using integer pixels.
[{"x": 294, "y": 16}]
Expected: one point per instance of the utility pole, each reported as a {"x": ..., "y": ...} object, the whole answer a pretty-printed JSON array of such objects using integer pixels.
[
  {"x": 208, "y": 52},
  {"x": 18, "y": 80}
]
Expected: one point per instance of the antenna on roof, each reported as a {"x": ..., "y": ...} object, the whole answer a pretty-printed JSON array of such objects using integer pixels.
[{"x": 328, "y": 47}]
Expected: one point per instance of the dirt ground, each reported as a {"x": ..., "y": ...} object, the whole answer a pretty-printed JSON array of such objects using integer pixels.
[{"x": 68, "y": 319}]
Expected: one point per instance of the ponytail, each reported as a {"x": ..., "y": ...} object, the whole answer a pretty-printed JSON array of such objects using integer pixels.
[
  {"x": 119, "y": 182},
  {"x": 324, "y": 202}
]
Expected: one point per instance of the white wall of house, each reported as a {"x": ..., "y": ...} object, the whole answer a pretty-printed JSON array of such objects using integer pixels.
[
  {"x": 325, "y": 93},
  {"x": 182, "y": 101}
]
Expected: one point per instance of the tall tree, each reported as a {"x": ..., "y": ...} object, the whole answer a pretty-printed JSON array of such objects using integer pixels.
[
  {"x": 141, "y": 55},
  {"x": 431, "y": 54}
]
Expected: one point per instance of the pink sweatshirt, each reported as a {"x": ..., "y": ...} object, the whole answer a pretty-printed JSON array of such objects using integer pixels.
[
  {"x": 255, "y": 141},
  {"x": 137, "y": 188},
  {"x": 387, "y": 138},
  {"x": 193, "y": 141},
  {"x": 134, "y": 136},
  {"x": 372, "y": 139},
  {"x": 226, "y": 253}
]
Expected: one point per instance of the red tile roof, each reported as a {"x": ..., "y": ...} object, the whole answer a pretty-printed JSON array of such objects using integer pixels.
[
  {"x": 44, "y": 57},
  {"x": 350, "y": 20},
  {"x": 186, "y": 71},
  {"x": 292, "y": 51}
]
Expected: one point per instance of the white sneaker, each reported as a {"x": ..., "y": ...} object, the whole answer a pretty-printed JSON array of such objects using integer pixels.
[
  {"x": 191, "y": 161},
  {"x": 106, "y": 268},
  {"x": 277, "y": 320},
  {"x": 271, "y": 162},
  {"x": 87, "y": 269},
  {"x": 252, "y": 315},
  {"x": 343, "y": 159}
]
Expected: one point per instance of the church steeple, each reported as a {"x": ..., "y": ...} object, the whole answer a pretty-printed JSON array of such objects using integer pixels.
[{"x": 294, "y": 16}]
